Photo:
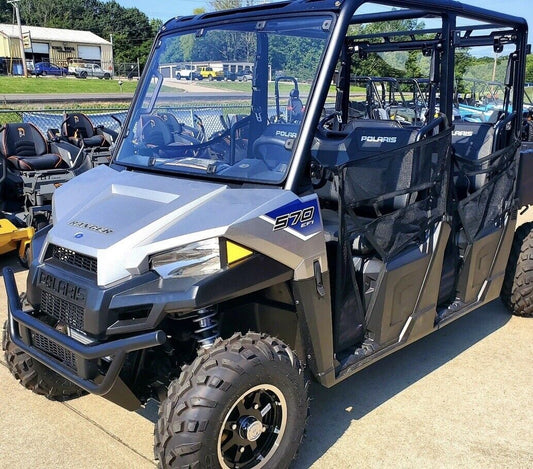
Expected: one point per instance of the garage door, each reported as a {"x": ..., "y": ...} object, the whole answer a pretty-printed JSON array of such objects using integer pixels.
[
  {"x": 89, "y": 52},
  {"x": 39, "y": 47}
]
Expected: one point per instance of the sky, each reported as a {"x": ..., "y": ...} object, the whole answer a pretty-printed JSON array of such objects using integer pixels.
[{"x": 166, "y": 9}]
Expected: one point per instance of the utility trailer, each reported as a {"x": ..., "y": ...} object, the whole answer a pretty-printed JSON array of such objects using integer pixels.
[{"x": 218, "y": 275}]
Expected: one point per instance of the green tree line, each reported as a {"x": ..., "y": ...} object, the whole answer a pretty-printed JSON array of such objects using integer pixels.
[{"x": 132, "y": 31}]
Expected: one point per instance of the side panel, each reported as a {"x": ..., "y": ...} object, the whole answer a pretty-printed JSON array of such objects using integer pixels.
[
  {"x": 477, "y": 265},
  {"x": 396, "y": 296},
  {"x": 500, "y": 263},
  {"x": 314, "y": 316},
  {"x": 525, "y": 176}
]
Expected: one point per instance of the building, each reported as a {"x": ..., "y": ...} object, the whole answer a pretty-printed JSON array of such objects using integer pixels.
[{"x": 51, "y": 45}]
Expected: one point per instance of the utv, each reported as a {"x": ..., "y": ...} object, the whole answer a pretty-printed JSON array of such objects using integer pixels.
[{"x": 218, "y": 274}]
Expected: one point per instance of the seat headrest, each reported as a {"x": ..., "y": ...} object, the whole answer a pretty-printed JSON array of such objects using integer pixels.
[
  {"x": 472, "y": 140},
  {"x": 366, "y": 141},
  {"x": 22, "y": 139},
  {"x": 78, "y": 122}
]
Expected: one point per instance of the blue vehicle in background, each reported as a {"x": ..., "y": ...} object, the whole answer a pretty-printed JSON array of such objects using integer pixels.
[{"x": 47, "y": 68}]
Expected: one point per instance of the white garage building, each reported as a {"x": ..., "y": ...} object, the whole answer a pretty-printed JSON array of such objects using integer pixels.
[{"x": 53, "y": 45}]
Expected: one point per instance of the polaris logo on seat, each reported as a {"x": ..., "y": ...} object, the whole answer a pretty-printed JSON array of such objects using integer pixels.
[
  {"x": 284, "y": 133},
  {"x": 374, "y": 139},
  {"x": 462, "y": 133}
]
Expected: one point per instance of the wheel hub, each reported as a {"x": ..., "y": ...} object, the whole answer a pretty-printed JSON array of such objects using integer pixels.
[
  {"x": 253, "y": 428},
  {"x": 250, "y": 428}
]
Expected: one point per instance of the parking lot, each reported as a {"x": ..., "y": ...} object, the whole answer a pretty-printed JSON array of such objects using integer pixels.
[{"x": 458, "y": 398}]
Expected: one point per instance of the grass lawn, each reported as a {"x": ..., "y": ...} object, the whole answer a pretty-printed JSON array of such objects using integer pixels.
[{"x": 62, "y": 85}]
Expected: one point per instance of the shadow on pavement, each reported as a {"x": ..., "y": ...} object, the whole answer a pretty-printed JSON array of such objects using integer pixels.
[{"x": 373, "y": 386}]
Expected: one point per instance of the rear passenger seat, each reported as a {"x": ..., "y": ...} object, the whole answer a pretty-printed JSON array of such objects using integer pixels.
[{"x": 472, "y": 141}]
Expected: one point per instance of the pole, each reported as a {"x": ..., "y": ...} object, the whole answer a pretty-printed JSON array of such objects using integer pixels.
[
  {"x": 138, "y": 69},
  {"x": 15, "y": 5}
]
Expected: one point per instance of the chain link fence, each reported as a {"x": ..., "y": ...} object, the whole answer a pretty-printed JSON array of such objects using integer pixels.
[
  {"x": 129, "y": 70},
  {"x": 213, "y": 118}
]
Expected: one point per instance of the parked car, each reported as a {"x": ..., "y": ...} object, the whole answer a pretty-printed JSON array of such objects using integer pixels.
[
  {"x": 228, "y": 75},
  {"x": 47, "y": 68},
  {"x": 244, "y": 75},
  {"x": 210, "y": 74},
  {"x": 189, "y": 73},
  {"x": 84, "y": 70}
]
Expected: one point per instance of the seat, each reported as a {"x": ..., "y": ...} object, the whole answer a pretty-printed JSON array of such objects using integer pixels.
[
  {"x": 368, "y": 138},
  {"x": 374, "y": 185},
  {"x": 180, "y": 132},
  {"x": 154, "y": 132},
  {"x": 295, "y": 107},
  {"x": 271, "y": 145},
  {"x": 472, "y": 142},
  {"x": 78, "y": 129},
  {"x": 25, "y": 148}
]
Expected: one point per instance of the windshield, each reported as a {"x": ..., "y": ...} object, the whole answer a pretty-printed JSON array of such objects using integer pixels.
[{"x": 226, "y": 102}]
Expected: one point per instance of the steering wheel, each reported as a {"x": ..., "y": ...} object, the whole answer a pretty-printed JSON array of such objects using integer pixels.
[{"x": 327, "y": 121}]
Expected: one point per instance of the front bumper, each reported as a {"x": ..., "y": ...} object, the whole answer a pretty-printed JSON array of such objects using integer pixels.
[{"x": 23, "y": 328}]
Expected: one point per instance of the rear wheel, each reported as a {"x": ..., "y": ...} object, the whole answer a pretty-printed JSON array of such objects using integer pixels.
[
  {"x": 33, "y": 375},
  {"x": 242, "y": 403},
  {"x": 517, "y": 289},
  {"x": 178, "y": 76}
]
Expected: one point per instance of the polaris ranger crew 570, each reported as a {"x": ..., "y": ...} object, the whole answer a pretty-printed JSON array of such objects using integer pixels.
[{"x": 230, "y": 252}]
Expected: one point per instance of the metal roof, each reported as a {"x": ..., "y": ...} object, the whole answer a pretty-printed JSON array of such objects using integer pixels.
[{"x": 40, "y": 34}]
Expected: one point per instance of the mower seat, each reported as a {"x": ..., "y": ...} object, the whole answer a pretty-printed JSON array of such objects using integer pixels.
[
  {"x": 25, "y": 148},
  {"x": 78, "y": 129},
  {"x": 295, "y": 107}
]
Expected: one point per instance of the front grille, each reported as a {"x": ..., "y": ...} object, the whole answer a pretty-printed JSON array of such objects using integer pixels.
[
  {"x": 57, "y": 351},
  {"x": 67, "y": 256},
  {"x": 64, "y": 311}
]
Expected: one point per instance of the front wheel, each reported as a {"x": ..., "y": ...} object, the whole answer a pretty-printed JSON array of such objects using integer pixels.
[
  {"x": 242, "y": 403},
  {"x": 33, "y": 375},
  {"x": 517, "y": 289}
]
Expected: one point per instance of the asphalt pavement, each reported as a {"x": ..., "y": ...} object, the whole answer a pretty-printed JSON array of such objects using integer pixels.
[{"x": 459, "y": 398}]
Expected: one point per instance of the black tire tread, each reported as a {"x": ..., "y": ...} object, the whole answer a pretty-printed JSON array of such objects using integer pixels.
[
  {"x": 234, "y": 354},
  {"x": 517, "y": 289},
  {"x": 34, "y": 376}
]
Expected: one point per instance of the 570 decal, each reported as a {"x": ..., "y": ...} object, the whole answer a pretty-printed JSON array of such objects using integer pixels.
[
  {"x": 297, "y": 219},
  {"x": 300, "y": 218}
]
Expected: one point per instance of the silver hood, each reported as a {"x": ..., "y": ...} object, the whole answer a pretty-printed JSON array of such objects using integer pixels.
[{"x": 122, "y": 217}]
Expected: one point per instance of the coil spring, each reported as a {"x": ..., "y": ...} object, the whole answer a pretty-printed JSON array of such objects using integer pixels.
[{"x": 208, "y": 331}]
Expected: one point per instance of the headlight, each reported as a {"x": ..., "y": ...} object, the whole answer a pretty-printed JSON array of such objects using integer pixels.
[{"x": 193, "y": 260}]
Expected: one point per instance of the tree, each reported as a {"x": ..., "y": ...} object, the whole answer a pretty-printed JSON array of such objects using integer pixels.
[{"x": 529, "y": 69}]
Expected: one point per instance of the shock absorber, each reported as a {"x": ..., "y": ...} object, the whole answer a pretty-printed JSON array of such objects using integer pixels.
[{"x": 207, "y": 324}]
